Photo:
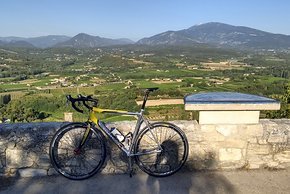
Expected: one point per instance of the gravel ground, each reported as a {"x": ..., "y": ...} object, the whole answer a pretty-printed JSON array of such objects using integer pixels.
[{"x": 261, "y": 181}]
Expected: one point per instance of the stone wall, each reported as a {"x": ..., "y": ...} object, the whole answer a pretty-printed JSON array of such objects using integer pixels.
[{"x": 24, "y": 147}]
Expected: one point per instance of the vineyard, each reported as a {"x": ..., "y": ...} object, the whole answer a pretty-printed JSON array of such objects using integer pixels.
[{"x": 33, "y": 87}]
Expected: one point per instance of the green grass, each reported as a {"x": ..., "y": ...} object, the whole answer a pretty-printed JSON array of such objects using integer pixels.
[
  {"x": 42, "y": 82},
  {"x": 14, "y": 86},
  {"x": 7, "y": 79},
  {"x": 171, "y": 73},
  {"x": 111, "y": 86}
]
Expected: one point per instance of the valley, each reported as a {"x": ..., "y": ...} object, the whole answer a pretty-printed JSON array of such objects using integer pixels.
[{"x": 34, "y": 81}]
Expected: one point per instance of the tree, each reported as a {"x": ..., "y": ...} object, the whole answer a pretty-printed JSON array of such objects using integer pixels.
[
  {"x": 30, "y": 108},
  {"x": 30, "y": 114},
  {"x": 284, "y": 111}
]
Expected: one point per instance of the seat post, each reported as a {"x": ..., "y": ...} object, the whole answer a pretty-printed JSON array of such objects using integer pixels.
[
  {"x": 145, "y": 99},
  {"x": 147, "y": 91}
]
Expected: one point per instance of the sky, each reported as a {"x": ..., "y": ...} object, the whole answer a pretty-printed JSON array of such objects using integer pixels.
[{"x": 136, "y": 19}]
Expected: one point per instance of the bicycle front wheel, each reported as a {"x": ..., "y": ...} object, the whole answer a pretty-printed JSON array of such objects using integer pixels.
[
  {"x": 74, "y": 162},
  {"x": 161, "y": 150}
]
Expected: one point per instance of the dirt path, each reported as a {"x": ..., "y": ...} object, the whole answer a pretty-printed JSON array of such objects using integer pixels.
[{"x": 161, "y": 102}]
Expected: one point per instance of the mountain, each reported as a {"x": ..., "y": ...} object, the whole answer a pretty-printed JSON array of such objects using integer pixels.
[
  {"x": 83, "y": 40},
  {"x": 39, "y": 42},
  {"x": 16, "y": 43},
  {"x": 79, "y": 41},
  {"x": 2, "y": 43},
  {"x": 211, "y": 34},
  {"x": 47, "y": 41},
  {"x": 126, "y": 40},
  {"x": 19, "y": 44},
  {"x": 221, "y": 35}
]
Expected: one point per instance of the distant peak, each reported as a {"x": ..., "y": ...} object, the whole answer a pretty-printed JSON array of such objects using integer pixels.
[
  {"x": 211, "y": 24},
  {"x": 82, "y": 34}
]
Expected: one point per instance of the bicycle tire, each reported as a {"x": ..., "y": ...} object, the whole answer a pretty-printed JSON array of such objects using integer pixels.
[
  {"x": 174, "y": 152},
  {"x": 81, "y": 164}
]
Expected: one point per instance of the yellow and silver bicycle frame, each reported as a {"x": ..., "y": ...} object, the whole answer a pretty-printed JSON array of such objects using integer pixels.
[{"x": 140, "y": 119}]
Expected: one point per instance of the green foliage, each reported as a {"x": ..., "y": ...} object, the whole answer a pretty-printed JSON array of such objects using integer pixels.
[
  {"x": 30, "y": 108},
  {"x": 121, "y": 100},
  {"x": 284, "y": 111},
  {"x": 264, "y": 88},
  {"x": 23, "y": 70}
]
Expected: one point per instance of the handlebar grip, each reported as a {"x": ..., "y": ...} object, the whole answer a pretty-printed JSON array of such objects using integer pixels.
[
  {"x": 76, "y": 108},
  {"x": 73, "y": 101}
]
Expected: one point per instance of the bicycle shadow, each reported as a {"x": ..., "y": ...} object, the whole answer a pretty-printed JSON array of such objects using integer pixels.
[
  {"x": 199, "y": 182},
  {"x": 206, "y": 182}
]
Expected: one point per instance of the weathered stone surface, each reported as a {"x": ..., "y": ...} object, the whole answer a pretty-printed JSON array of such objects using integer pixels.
[
  {"x": 208, "y": 128},
  {"x": 283, "y": 157},
  {"x": 11, "y": 145},
  {"x": 253, "y": 140},
  {"x": 12, "y": 171},
  {"x": 51, "y": 171},
  {"x": 2, "y": 143},
  {"x": 18, "y": 158},
  {"x": 214, "y": 137},
  {"x": 230, "y": 165},
  {"x": 30, "y": 172},
  {"x": 230, "y": 154},
  {"x": 262, "y": 141},
  {"x": 256, "y": 149},
  {"x": 211, "y": 146},
  {"x": 227, "y": 130},
  {"x": 233, "y": 143},
  {"x": 202, "y": 157},
  {"x": 2, "y": 160},
  {"x": 277, "y": 138},
  {"x": 253, "y": 166},
  {"x": 43, "y": 161},
  {"x": 186, "y": 126},
  {"x": 254, "y": 130},
  {"x": 255, "y": 162},
  {"x": 275, "y": 165}
]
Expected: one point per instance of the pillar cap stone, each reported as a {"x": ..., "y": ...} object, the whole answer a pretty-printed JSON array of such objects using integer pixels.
[{"x": 229, "y": 101}]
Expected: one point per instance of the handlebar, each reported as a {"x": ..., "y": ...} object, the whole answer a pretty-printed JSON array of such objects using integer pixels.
[{"x": 84, "y": 100}]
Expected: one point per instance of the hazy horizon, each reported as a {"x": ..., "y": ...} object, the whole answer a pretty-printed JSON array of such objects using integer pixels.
[{"x": 136, "y": 19}]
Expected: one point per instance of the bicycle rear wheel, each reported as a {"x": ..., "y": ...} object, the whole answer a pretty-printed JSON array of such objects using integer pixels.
[
  {"x": 161, "y": 150},
  {"x": 74, "y": 162}
]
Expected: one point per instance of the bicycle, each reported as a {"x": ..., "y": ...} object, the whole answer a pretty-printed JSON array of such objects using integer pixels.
[{"x": 78, "y": 150}]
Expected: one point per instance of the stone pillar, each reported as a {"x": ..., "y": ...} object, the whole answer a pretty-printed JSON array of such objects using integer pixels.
[{"x": 68, "y": 116}]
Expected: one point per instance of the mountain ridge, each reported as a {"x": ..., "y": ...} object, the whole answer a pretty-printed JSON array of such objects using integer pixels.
[
  {"x": 83, "y": 40},
  {"x": 38, "y": 42},
  {"x": 222, "y": 35},
  {"x": 213, "y": 34}
]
